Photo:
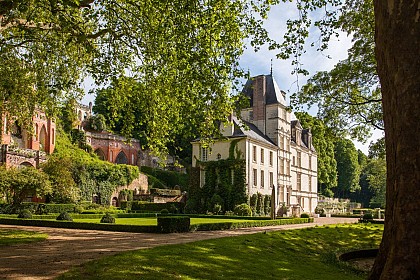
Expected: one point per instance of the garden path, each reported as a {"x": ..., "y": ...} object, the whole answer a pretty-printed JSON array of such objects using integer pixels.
[{"x": 66, "y": 248}]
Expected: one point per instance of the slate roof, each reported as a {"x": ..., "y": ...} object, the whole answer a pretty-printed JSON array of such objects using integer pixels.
[
  {"x": 246, "y": 129},
  {"x": 273, "y": 93}
]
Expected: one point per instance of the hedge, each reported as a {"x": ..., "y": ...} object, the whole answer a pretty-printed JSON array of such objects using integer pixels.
[
  {"x": 151, "y": 207},
  {"x": 247, "y": 224},
  {"x": 79, "y": 225},
  {"x": 39, "y": 208},
  {"x": 169, "y": 224}
]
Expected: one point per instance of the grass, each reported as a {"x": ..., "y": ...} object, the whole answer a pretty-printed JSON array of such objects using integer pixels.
[
  {"x": 153, "y": 221},
  {"x": 12, "y": 237},
  {"x": 295, "y": 254}
]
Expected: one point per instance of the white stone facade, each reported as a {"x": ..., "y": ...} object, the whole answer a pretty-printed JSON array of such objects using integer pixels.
[{"x": 277, "y": 150}]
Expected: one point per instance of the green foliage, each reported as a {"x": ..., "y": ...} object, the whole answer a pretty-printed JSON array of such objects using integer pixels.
[
  {"x": 171, "y": 224},
  {"x": 253, "y": 200},
  {"x": 80, "y": 225},
  {"x": 217, "y": 208},
  {"x": 165, "y": 179},
  {"x": 367, "y": 216},
  {"x": 260, "y": 204},
  {"x": 96, "y": 122},
  {"x": 91, "y": 175},
  {"x": 64, "y": 216},
  {"x": 323, "y": 141},
  {"x": 304, "y": 215},
  {"x": 348, "y": 97},
  {"x": 154, "y": 207},
  {"x": 225, "y": 178},
  {"x": 47, "y": 208},
  {"x": 18, "y": 184},
  {"x": 60, "y": 171},
  {"x": 25, "y": 214},
  {"x": 164, "y": 211},
  {"x": 267, "y": 204},
  {"x": 348, "y": 168},
  {"x": 108, "y": 219},
  {"x": 191, "y": 206},
  {"x": 242, "y": 210}
]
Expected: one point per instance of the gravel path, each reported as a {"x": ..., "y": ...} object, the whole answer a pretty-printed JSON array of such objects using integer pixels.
[{"x": 66, "y": 248}]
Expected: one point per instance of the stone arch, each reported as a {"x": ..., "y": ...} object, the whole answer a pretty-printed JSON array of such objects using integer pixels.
[
  {"x": 100, "y": 153},
  {"x": 121, "y": 158},
  {"x": 25, "y": 164},
  {"x": 114, "y": 201},
  {"x": 43, "y": 139}
]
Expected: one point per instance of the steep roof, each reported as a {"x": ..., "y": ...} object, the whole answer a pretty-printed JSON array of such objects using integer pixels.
[
  {"x": 273, "y": 93},
  {"x": 246, "y": 129}
]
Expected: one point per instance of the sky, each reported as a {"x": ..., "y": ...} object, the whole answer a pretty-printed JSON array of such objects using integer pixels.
[{"x": 259, "y": 63}]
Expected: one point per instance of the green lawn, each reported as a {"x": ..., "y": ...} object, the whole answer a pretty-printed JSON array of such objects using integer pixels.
[
  {"x": 294, "y": 254},
  {"x": 153, "y": 221},
  {"x": 11, "y": 237}
]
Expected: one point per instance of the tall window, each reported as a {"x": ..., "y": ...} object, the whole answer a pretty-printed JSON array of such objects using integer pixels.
[
  {"x": 288, "y": 167},
  {"x": 299, "y": 181},
  {"x": 281, "y": 142},
  {"x": 310, "y": 183},
  {"x": 262, "y": 179},
  {"x": 310, "y": 162},
  {"x": 282, "y": 166},
  {"x": 254, "y": 175},
  {"x": 262, "y": 155},
  {"x": 288, "y": 145},
  {"x": 271, "y": 158},
  {"x": 204, "y": 154},
  {"x": 299, "y": 159},
  {"x": 271, "y": 179},
  {"x": 254, "y": 153}
]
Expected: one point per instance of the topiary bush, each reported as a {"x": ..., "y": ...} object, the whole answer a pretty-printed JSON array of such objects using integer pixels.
[
  {"x": 368, "y": 217},
  {"x": 164, "y": 211},
  {"x": 304, "y": 215},
  {"x": 242, "y": 210},
  {"x": 25, "y": 214},
  {"x": 108, "y": 219},
  {"x": 64, "y": 216},
  {"x": 173, "y": 224}
]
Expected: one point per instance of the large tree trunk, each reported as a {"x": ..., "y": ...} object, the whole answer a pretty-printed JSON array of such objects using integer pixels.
[{"x": 398, "y": 55}]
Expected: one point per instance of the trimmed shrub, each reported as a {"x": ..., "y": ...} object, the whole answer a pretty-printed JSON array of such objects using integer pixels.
[
  {"x": 229, "y": 213},
  {"x": 25, "y": 214},
  {"x": 64, "y": 216},
  {"x": 304, "y": 215},
  {"x": 46, "y": 208},
  {"x": 154, "y": 207},
  {"x": 191, "y": 206},
  {"x": 368, "y": 217},
  {"x": 164, "y": 211},
  {"x": 108, "y": 219},
  {"x": 242, "y": 210},
  {"x": 173, "y": 224},
  {"x": 173, "y": 209}
]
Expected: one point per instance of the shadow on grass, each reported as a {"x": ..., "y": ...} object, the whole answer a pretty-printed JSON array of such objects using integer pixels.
[{"x": 293, "y": 254}]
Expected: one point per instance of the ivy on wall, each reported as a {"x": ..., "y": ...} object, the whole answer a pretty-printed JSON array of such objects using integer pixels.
[{"x": 224, "y": 182}]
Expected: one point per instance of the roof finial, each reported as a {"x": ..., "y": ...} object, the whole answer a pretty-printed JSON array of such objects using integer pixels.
[{"x": 271, "y": 69}]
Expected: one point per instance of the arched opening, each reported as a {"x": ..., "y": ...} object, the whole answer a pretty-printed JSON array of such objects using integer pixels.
[
  {"x": 121, "y": 158},
  {"x": 25, "y": 164},
  {"x": 43, "y": 139},
  {"x": 100, "y": 153},
  {"x": 115, "y": 201}
]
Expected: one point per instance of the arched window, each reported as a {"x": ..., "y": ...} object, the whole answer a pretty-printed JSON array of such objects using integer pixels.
[
  {"x": 36, "y": 132},
  {"x": 100, "y": 154},
  {"x": 43, "y": 139},
  {"x": 121, "y": 158}
]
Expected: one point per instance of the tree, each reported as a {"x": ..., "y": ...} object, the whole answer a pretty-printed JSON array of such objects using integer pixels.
[
  {"x": 18, "y": 184},
  {"x": 184, "y": 55},
  {"x": 60, "y": 170},
  {"x": 348, "y": 169},
  {"x": 397, "y": 35},
  {"x": 323, "y": 141}
]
